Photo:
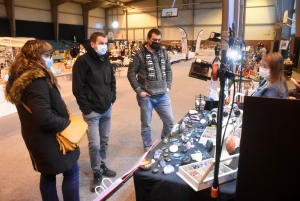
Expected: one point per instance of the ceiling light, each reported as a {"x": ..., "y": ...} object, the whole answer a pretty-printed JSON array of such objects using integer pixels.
[{"x": 115, "y": 24}]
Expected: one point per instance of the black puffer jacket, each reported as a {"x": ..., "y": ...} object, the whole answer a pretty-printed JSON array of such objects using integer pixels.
[
  {"x": 48, "y": 117},
  {"x": 94, "y": 83}
]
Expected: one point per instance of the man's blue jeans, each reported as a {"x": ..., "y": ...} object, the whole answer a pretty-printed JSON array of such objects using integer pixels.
[
  {"x": 70, "y": 185},
  {"x": 98, "y": 136},
  {"x": 162, "y": 105}
]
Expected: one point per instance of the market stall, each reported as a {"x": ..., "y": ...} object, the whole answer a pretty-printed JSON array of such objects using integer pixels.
[
  {"x": 9, "y": 48},
  {"x": 158, "y": 184}
]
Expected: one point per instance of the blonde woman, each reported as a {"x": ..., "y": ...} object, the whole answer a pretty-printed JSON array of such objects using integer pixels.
[
  {"x": 274, "y": 84},
  {"x": 32, "y": 83}
]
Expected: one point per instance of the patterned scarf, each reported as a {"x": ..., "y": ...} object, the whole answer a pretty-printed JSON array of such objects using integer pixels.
[{"x": 151, "y": 68}]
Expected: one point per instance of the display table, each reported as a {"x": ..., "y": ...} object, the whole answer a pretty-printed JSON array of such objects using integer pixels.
[
  {"x": 5, "y": 106},
  {"x": 161, "y": 187},
  {"x": 207, "y": 52},
  {"x": 176, "y": 57},
  {"x": 191, "y": 55}
]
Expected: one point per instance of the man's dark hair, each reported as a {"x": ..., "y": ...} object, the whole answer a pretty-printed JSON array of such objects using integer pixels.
[
  {"x": 155, "y": 31},
  {"x": 95, "y": 35}
]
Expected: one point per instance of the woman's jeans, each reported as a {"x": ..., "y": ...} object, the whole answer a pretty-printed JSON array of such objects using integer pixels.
[
  {"x": 162, "y": 105},
  {"x": 98, "y": 136},
  {"x": 70, "y": 185}
]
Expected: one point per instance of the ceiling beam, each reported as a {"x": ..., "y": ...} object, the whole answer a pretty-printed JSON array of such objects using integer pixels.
[
  {"x": 58, "y": 2},
  {"x": 93, "y": 5}
]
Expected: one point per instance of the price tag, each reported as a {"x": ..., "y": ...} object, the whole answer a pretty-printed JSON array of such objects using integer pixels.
[
  {"x": 212, "y": 84},
  {"x": 209, "y": 134},
  {"x": 211, "y": 94}
]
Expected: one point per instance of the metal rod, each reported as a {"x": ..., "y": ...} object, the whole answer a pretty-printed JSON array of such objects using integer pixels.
[
  {"x": 173, "y": 3},
  {"x": 224, "y": 47}
]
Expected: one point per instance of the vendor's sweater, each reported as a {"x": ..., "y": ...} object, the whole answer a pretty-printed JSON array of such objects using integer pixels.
[{"x": 150, "y": 72}]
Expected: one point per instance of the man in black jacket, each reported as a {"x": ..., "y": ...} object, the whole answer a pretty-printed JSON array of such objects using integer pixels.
[{"x": 94, "y": 86}]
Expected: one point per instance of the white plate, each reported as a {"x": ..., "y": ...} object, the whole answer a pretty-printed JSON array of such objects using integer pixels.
[
  {"x": 193, "y": 112},
  {"x": 173, "y": 148}
]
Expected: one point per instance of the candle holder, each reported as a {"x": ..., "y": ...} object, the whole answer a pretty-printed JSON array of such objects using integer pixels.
[{"x": 199, "y": 102}]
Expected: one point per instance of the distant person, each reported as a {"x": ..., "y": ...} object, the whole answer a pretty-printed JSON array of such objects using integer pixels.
[
  {"x": 94, "y": 87},
  {"x": 63, "y": 41},
  {"x": 74, "y": 51},
  {"x": 262, "y": 51},
  {"x": 31, "y": 82},
  {"x": 150, "y": 76},
  {"x": 82, "y": 50},
  {"x": 274, "y": 84}
]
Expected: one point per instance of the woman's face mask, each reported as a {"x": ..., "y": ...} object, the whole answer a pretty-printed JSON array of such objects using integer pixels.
[
  {"x": 48, "y": 60},
  {"x": 101, "y": 49},
  {"x": 264, "y": 72}
]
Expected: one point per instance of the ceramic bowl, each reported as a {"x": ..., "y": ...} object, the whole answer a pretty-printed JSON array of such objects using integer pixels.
[{"x": 146, "y": 164}]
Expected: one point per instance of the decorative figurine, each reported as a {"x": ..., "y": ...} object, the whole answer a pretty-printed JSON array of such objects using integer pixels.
[{"x": 165, "y": 141}]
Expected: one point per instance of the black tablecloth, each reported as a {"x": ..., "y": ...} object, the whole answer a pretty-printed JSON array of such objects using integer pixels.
[{"x": 160, "y": 186}]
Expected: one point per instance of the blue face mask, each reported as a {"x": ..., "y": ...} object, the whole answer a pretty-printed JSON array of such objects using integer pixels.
[
  {"x": 101, "y": 49},
  {"x": 48, "y": 62},
  {"x": 6, "y": 77}
]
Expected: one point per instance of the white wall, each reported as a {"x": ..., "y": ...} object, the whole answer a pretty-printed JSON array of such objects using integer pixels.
[
  {"x": 96, "y": 21},
  {"x": 70, "y": 13},
  {"x": 207, "y": 20},
  {"x": 39, "y": 10},
  {"x": 32, "y": 10}
]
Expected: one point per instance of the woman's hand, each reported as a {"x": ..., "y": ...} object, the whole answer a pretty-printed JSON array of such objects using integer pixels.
[{"x": 296, "y": 82}]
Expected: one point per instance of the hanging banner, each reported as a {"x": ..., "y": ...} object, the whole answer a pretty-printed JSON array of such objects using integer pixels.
[
  {"x": 198, "y": 42},
  {"x": 184, "y": 42}
]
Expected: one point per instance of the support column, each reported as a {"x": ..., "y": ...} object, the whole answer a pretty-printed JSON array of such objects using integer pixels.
[
  {"x": 126, "y": 18},
  {"x": 85, "y": 19},
  {"x": 236, "y": 15},
  {"x": 286, "y": 30},
  {"x": 297, "y": 30},
  {"x": 10, "y": 13},
  {"x": 298, "y": 18},
  {"x": 85, "y": 14},
  {"x": 54, "y": 17},
  {"x": 242, "y": 15}
]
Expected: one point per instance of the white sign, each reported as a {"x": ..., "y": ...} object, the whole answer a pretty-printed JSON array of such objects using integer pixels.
[
  {"x": 211, "y": 94},
  {"x": 209, "y": 133}
]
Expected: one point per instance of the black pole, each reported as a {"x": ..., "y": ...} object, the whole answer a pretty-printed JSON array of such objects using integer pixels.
[
  {"x": 214, "y": 192},
  {"x": 240, "y": 77},
  {"x": 221, "y": 75}
]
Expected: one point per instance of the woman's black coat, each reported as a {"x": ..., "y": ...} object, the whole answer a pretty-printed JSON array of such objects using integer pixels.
[{"x": 49, "y": 116}]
